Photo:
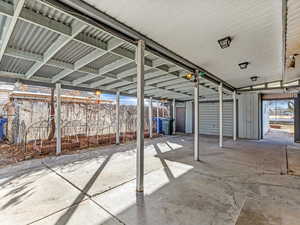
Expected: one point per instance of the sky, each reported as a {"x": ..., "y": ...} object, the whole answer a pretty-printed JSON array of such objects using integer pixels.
[{"x": 124, "y": 100}]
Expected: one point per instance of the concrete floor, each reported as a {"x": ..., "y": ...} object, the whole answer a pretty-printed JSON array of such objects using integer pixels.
[{"x": 244, "y": 183}]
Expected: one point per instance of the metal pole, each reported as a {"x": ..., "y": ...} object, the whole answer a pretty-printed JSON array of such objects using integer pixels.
[
  {"x": 234, "y": 116},
  {"x": 174, "y": 116},
  {"x": 196, "y": 120},
  {"x": 58, "y": 118},
  {"x": 157, "y": 115},
  {"x": 221, "y": 115},
  {"x": 118, "y": 118},
  {"x": 150, "y": 118},
  {"x": 140, "y": 117}
]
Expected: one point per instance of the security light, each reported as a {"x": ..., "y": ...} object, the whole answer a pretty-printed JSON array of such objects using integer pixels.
[
  {"x": 243, "y": 65},
  {"x": 225, "y": 42},
  {"x": 254, "y": 78}
]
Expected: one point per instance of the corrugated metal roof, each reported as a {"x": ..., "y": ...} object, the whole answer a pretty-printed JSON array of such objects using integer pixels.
[
  {"x": 2, "y": 24},
  {"x": 94, "y": 80},
  {"x": 129, "y": 47},
  {"x": 73, "y": 76},
  {"x": 72, "y": 52},
  {"x": 37, "y": 37},
  {"x": 97, "y": 34},
  {"x": 124, "y": 68},
  {"x": 103, "y": 61},
  {"x": 9, "y": 1},
  {"x": 31, "y": 38},
  {"x": 49, "y": 12},
  {"x": 15, "y": 65},
  {"x": 48, "y": 71}
]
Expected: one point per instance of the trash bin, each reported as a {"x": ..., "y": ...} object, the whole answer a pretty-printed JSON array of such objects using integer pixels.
[
  {"x": 167, "y": 126},
  {"x": 2, "y": 127},
  {"x": 158, "y": 124}
]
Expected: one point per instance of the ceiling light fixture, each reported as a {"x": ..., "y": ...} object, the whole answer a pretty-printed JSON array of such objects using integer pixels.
[
  {"x": 189, "y": 76},
  {"x": 254, "y": 78},
  {"x": 225, "y": 42},
  {"x": 292, "y": 63},
  {"x": 243, "y": 65},
  {"x": 98, "y": 92}
]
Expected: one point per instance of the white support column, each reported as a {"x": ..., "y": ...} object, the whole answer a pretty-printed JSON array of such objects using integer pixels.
[
  {"x": 196, "y": 120},
  {"x": 58, "y": 118},
  {"x": 157, "y": 115},
  {"x": 150, "y": 119},
  {"x": 234, "y": 116},
  {"x": 221, "y": 115},
  {"x": 140, "y": 117},
  {"x": 174, "y": 116},
  {"x": 118, "y": 118}
]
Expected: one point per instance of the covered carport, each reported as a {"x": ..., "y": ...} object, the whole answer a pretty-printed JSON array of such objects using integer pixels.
[
  {"x": 215, "y": 59},
  {"x": 47, "y": 43}
]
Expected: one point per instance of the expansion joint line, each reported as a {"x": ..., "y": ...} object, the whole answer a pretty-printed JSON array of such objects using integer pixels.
[{"x": 85, "y": 193}]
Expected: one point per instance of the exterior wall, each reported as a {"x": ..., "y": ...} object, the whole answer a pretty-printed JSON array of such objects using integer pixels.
[
  {"x": 189, "y": 117},
  {"x": 209, "y": 118},
  {"x": 249, "y": 116},
  {"x": 180, "y": 117}
]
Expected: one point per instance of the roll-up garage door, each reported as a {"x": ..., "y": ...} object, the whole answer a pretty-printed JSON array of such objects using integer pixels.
[{"x": 209, "y": 118}]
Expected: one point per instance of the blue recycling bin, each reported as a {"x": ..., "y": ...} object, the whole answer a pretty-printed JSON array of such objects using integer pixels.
[
  {"x": 2, "y": 126},
  {"x": 158, "y": 124}
]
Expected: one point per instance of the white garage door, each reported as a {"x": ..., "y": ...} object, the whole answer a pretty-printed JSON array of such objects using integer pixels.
[{"x": 209, "y": 118}]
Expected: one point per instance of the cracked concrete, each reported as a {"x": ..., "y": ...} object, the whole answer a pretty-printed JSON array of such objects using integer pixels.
[{"x": 244, "y": 183}]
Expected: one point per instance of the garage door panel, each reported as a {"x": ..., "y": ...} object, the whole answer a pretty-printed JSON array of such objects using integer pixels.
[{"x": 209, "y": 118}]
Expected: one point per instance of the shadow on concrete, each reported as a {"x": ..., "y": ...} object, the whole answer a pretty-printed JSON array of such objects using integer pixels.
[{"x": 84, "y": 192}]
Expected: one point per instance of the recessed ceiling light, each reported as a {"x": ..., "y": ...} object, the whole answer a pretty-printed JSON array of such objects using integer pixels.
[
  {"x": 225, "y": 42},
  {"x": 254, "y": 78},
  {"x": 292, "y": 62},
  {"x": 243, "y": 65}
]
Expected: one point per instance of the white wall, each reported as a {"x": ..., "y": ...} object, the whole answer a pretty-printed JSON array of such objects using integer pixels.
[
  {"x": 249, "y": 116},
  {"x": 209, "y": 118},
  {"x": 189, "y": 117}
]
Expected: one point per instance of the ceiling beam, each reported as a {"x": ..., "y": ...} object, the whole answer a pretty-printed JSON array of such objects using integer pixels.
[
  {"x": 62, "y": 40},
  {"x": 97, "y": 53},
  {"x": 10, "y": 25}
]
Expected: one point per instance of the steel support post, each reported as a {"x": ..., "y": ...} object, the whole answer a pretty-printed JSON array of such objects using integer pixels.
[
  {"x": 174, "y": 115},
  {"x": 58, "y": 118},
  {"x": 150, "y": 118},
  {"x": 234, "y": 116},
  {"x": 196, "y": 119},
  {"x": 221, "y": 115},
  {"x": 140, "y": 116},
  {"x": 118, "y": 118},
  {"x": 157, "y": 116}
]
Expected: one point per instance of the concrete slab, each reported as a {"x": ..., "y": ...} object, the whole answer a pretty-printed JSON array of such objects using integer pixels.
[
  {"x": 268, "y": 212},
  {"x": 183, "y": 198},
  {"x": 178, "y": 190},
  {"x": 30, "y": 196},
  {"x": 293, "y": 154},
  {"x": 99, "y": 174},
  {"x": 77, "y": 215}
]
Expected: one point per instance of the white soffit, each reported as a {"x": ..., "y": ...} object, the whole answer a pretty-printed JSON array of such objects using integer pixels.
[
  {"x": 293, "y": 39},
  {"x": 192, "y": 28}
]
